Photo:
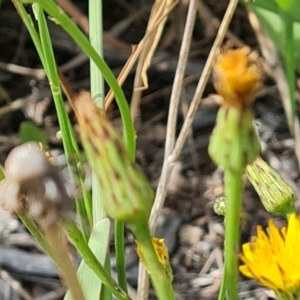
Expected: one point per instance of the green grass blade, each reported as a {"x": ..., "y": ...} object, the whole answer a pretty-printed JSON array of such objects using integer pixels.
[
  {"x": 69, "y": 26},
  {"x": 96, "y": 40},
  {"x": 97, "y": 93},
  {"x": 89, "y": 280}
]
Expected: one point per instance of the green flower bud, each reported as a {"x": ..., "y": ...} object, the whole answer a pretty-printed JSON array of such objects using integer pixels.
[
  {"x": 126, "y": 193},
  {"x": 275, "y": 194},
  {"x": 234, "y": 143}
]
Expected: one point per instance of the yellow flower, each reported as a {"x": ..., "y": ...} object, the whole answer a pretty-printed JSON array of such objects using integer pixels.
[
  {"x": 273, "y": 258},
  {"x": 237, "y": 77}
]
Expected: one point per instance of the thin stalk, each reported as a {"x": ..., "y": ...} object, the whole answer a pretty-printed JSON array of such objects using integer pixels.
[
  {"x": 233, "y": 193},
  {"x": 97, "y": 92},
  {"x": 143, "y": 282},
  {"x": 92, "y": 262},
  {"x": 96, "y": 40},
  {"x": 34, "y": 230},
  {"x": 162, "y": 284}
]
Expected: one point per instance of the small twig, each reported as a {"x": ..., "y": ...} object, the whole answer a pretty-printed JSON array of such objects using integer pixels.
[
  {"x": 179, "y": 78},
  {"x": 172, "y": 119},
  {"x": 159, "y": 8},
  {"x": 13, "y": 68},
  {"x": 173, "y": 156},
  {"x": 15, "y": 285},
  {"x": 134, "y": 56},
  {"x": 143, "y": 283}
]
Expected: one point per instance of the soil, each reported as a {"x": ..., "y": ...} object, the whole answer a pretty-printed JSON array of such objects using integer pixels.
[{"x": 193, "y": 232}]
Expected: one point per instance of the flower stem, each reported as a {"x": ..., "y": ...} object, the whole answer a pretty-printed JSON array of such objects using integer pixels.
[{"x": 233, "y": 194}]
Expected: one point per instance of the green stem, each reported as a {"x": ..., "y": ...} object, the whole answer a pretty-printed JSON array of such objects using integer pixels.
[
  {"x": 96, "y": 40},
  {"x": 92, "y": 262},
  {"x": 97, "y": 92},
  {"x": 162, "y": 284},
  {"x": 34, "y": 230},
  {"x": 233, "y": 193}
]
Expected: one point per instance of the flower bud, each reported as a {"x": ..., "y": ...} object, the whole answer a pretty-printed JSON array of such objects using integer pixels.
[
  {"x": 275, "y": 194},
  {"x": 233, "y": 143},
  {"x": 126, "y": 193}
]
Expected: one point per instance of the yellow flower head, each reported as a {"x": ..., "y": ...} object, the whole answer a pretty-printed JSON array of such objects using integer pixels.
[
  {"x": 273, "y": 258},
  {"x": 237, "y": 77}
]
